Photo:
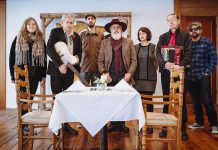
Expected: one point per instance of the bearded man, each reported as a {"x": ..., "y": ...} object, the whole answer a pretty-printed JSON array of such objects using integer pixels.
[
  {"x": 203, "y": 63},
  {"x": 91, "y": 42},
  {"x": 117, "y": 61}
]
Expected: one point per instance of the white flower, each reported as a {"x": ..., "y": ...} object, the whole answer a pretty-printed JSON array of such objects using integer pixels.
[{"x": 103, "y": 79}]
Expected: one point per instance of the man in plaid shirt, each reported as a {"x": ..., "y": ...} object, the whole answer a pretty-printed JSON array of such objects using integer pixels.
[{"x": 203, "y": 63}]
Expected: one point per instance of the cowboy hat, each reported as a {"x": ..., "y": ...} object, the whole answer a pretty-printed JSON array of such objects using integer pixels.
[{"x": 115, "y": 21}]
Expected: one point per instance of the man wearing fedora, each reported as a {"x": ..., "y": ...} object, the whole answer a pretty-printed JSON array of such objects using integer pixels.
[
  {"x": 61, "y": 76},
  {"x": 117, "y": 60},
  {"x": 91, "y": 42}
]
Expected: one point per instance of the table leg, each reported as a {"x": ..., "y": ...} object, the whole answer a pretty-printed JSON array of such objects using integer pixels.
[{"x": 104, "y": 144}]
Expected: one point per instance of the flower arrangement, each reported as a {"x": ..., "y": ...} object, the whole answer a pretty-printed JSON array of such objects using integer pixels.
[{"x": 102, "y": 80}]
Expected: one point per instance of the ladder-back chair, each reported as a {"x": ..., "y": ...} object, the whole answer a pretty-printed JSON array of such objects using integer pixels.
[
  {"x": 34, "y": 118},
  {"x": 172, "y": 120}
]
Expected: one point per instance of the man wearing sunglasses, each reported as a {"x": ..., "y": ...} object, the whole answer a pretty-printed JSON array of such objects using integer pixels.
[{"x": 203, "y": 63}]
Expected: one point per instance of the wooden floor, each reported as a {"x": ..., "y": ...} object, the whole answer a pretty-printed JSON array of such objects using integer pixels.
[{"x": 200, "y": 139}]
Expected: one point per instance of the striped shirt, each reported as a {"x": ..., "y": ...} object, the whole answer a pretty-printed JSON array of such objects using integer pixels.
[{"x": 203, "y": 59}]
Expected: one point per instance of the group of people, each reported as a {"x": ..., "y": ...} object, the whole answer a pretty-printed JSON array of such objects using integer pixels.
[{"x": 118, "y": 58}]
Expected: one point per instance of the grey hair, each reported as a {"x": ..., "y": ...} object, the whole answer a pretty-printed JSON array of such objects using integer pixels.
[{"x": 68, "y": 15}]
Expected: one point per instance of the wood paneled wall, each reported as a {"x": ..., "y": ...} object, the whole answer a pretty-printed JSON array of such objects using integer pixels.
[
  {"x": 3, "y": 54},
  {"x": 196, "y": 7}
]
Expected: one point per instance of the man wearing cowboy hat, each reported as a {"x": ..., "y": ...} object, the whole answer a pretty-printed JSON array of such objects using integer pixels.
[
  {"x": 117, "y": 60},
  {"x": 91, "y": 42}
]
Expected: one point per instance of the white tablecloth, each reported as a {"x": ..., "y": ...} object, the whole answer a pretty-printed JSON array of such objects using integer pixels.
[{"x": 94, "y": 109}]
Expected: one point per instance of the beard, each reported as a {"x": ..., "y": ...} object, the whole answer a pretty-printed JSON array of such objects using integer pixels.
[
  {"x": 116, "y": 36},
  {"x": 195, "y": 35},
  {"x": 91, "y": 25}
]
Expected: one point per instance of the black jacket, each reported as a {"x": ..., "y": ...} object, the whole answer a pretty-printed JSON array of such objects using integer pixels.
[
  {"x": 182, "y": 39},
  {"x": 35, "y": 72},
  {"x": 58, "y": 35}
]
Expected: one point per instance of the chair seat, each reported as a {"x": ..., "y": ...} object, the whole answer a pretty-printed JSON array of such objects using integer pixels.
[
  {"x": 37, "y": 117},
  {"x": 154, "y": 118}
]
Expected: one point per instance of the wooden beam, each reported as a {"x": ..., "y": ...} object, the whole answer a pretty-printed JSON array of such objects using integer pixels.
[
  {"x": 177, "y": 6},
  {"x": 3, "y": 54},
  {"x": 199, "y": 12},
  {"x": 48, "y": 21},
  {"x": 82, "y": 15}
]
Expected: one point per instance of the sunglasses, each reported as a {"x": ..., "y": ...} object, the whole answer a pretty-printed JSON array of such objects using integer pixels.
[{"x": 194, "y": 29}]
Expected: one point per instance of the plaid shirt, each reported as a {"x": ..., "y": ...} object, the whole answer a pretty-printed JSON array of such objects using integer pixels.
[{"x": 203, "y": 59}]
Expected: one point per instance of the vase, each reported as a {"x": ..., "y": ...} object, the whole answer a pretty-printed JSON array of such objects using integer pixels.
[{"x": 101, "y": 86}]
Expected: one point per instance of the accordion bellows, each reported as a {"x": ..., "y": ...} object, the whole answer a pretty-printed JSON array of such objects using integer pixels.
[{"x": 171, "y": 54}]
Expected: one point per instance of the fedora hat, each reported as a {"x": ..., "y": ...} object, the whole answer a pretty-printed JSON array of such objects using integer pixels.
[
  {"x": 88, "y": 15},
  {"x": 115, "y": 21}
]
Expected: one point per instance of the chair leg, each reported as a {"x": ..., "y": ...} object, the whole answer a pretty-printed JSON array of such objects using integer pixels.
[
  {"x": 53, "y": 141},
  {"x": 169, "y": 135},
  {"x": 137, "y": 135},
  {"x": 20, "y": 138},
  {"x": 30, "y": 142},
  {"x": 178, "y": 139},
  {"x": 144, "y": 134}
]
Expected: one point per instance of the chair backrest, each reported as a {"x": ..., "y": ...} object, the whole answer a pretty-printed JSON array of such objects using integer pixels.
[
  {"x": 176, "y": 90},
  {"x": 22, "y": 87}
]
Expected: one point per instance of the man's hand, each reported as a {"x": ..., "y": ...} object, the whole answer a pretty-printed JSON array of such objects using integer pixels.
[
  {"x": 127, "y": 77},
  {"x": 107, "y": 75},
  {"x": 63, "y": 69},
  {"x": 77, "y": 60},
  {"x": 168, "y": 65}
]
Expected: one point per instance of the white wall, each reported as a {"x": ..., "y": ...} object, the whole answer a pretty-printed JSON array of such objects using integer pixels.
[{"x": 150, "y": 13}]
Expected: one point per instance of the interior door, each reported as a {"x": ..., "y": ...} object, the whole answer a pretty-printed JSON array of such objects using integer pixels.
[{"x": 209, "y": 31}]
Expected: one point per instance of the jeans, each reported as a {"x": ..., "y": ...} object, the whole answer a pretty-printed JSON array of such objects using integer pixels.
[{"x": 200, "y": 91}]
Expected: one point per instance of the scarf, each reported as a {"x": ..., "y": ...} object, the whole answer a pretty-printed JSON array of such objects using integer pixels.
[
  {"x": 172, "y": 39},
  {"x": 117, "y": 48},
  {"x": 22, "y": 51}
]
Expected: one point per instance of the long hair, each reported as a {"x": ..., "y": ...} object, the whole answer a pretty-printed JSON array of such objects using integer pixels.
[{"x": 24, "y": 32}]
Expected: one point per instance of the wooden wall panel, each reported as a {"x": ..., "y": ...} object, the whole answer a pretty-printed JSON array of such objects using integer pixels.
[
  {"x": 197, "y": 7},
  {"x": 199, "y": 4},
  {"x": 3, "y": 54}
]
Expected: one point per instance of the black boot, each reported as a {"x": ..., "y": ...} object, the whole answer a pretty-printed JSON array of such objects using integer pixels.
[
  {"x": 163, "y": 134},
  {"x": 149, "y": 130},
  {"x": 69, "y": 129},
  {"x": 114, "y": 126},
  {"x": 184, "y": 134},
  {"x": 124, "y": 128}
]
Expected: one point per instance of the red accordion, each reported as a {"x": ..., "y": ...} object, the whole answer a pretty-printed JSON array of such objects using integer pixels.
[{"x": 171, "y": 53}]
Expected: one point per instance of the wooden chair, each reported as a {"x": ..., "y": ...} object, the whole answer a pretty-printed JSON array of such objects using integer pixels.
[
  {"x": 34, "y": 118},
  {"x": 172, "y": 120}
]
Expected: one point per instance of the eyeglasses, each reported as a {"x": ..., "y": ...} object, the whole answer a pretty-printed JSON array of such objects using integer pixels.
[{"x": 194, "y": 29}]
